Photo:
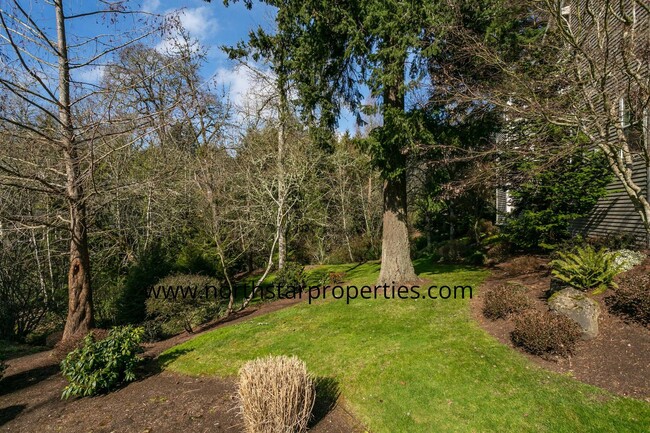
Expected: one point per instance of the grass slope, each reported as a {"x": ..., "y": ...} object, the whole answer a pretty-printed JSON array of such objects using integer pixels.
[{"x": 415, "y": 365}]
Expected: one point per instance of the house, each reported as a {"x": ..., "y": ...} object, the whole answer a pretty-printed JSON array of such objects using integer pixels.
[{"x": 613, "y": 42}]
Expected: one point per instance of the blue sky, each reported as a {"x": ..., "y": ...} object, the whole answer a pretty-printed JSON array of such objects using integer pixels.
[{"x": 213, "y": 25}]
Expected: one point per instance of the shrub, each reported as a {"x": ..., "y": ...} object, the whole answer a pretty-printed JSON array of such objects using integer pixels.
[
  {"x": 542, "y": 333},
  {"x": 498, "y": 252},
  {"x": 336, "y": 277},
  {"x": 613, "y": 241},
  {"x": 190, "y": 301},
  {"x": 525, "y": 265},
  {"x": 276, "y": 395},
  {"x": 586, "y": 268},
  {"x": 504, "y": 300},
  {"x": 62, "y": 348},
  {"x": 628, "y": 259},
  {"x": 292, "y": 276},
  {"x": 546, "y": 204},
  {"x": 152, "y": 331},
  {"x": 632, "y": 299},
  {"x": 100, "y": 366}
]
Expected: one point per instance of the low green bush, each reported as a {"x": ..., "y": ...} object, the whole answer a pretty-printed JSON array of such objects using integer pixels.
[
  {"x": 291, "y": 276},
  {"x": 505, "y": 299},
  {"x": 586, "y": 268},
  {"x": 153, "y": 331},
  {"x": 632, "y": 299},
  {"x": 100, "y": 366},
  {"x": 543, "y": 333},
  {"x": 184, "y": 302}
]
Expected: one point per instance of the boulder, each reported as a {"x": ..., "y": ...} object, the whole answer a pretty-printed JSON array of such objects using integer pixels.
[{"x": 577, "y": 306}]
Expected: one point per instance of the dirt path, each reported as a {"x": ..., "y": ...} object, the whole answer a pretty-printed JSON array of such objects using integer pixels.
[{"x": 159, "y": 402}]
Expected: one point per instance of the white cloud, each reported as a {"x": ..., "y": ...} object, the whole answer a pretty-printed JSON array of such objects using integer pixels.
[
  {"x": 249, "y": 91},
  {"x": 150, "y": 5},
  {"x": 200, "y": 22},
  {"x": 236, "y": 82},
  {"x": 90, "y": 74}
]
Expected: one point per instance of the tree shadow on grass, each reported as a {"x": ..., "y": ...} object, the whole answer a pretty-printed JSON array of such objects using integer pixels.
[
  {"x": 327, "y": 394},
  {"x": 10, "y": 412},
  {"x": 164, "y": 359}
]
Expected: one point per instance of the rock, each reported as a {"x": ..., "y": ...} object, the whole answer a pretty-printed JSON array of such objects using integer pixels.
[{"x": 578, "y": 307}]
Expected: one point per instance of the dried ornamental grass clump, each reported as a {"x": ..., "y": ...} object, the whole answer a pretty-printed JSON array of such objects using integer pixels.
[{"x": 276, "y": 395}]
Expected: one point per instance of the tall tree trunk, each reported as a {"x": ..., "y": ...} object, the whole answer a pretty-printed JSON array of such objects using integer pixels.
[
  {"x": 80, "y": 307},
  {"x": 396, "y": 265},
  {"x": 283, "y": 117}
]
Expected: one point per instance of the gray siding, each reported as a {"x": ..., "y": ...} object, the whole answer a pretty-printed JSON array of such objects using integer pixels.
[{"x": 615, "y": 213}]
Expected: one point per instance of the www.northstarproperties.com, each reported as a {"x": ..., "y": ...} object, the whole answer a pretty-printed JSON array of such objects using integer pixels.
[{"x": 313, "y": 293}]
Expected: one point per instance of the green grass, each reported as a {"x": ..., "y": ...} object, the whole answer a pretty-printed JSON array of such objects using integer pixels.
[{"x": 415, "y": 365}]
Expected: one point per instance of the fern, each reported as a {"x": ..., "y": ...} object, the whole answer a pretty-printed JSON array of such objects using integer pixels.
[{"x": 587, "y": 268}]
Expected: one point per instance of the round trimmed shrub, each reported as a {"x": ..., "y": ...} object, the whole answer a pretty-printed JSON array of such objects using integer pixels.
[
  {"x": 505, "y": 299},
  {"x": 632, "y": 299},
  {"x": 182, "y": 302},
  {"x": 542, "y": 333}
]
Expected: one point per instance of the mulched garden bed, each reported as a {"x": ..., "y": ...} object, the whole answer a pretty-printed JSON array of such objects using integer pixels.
[
  {"x": 618, "y": 359},
  {"x": 30, "y": 398}
]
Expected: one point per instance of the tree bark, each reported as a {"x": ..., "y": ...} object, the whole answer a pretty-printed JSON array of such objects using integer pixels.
[
  {"x": 80, "y": 308},
  {"x": 396, "y": 265},
  {"x": 283, "y": 117}
]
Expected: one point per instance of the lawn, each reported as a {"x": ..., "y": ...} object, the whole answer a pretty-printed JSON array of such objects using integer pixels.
[{"x": 415, "y": 365}]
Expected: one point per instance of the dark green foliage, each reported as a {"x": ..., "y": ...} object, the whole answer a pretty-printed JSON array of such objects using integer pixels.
[
  {"x": 545, "y": 205},
  {"x": 153, "y": 331},
  {"x": 455, "y": 251},
  {"x": 100, "y": 366},
  {"x": 542, "y": 333},
  {"x": 614, "y": 241},
  {"x": 462, "y": 250},
  {"x": 361, "y": 247},
  {"x": 586, "y": 268},
  {"x": 183, "y": 301},
  {"x": 153, "y": 265},
  {"x": 22, "y": 304},
  {"x": 631, "y": 299},
  {"x": 196, "y": 258},
  {"x": 505, "y": 299},
  {"x": 291, "y": 277}
]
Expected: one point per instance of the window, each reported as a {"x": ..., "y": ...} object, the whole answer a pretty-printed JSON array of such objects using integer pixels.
[{"x": 635, "y": 125}]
